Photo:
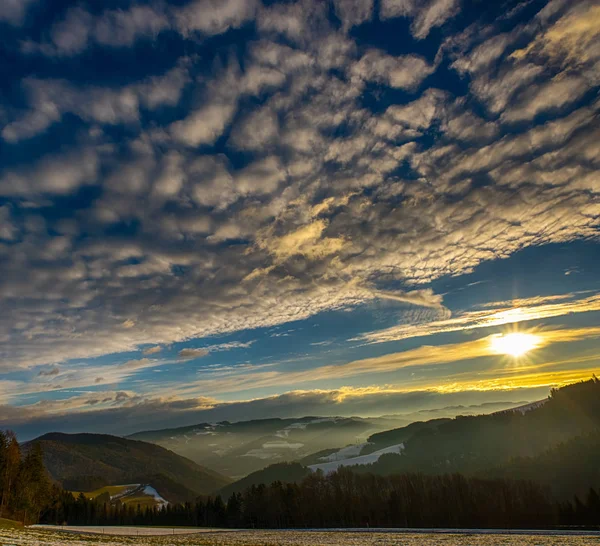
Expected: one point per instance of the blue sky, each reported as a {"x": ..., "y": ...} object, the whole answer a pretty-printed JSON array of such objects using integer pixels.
[{"x": 241, "y": 209}]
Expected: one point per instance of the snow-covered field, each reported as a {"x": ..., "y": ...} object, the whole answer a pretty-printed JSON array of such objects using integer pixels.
[
  {"x": 121, "y": 531},
  {"x": 373, "y": 537},
  {"x": 371, "y": 458}
]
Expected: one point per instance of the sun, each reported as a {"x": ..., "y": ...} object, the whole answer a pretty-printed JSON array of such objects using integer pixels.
[{"x": 516, "y": 344}]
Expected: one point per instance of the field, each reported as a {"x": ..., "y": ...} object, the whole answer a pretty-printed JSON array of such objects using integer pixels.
[
  {"x": 43, "y": 537},
  {"x": 134, "y": 493}
]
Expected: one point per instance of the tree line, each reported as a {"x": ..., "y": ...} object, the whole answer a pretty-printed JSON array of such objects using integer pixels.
[
  {"x": 25, "y": 487},
  {"x": 347, "y": 499}
]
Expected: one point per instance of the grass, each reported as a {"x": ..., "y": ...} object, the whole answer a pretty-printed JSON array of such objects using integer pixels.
[
  {"x": 142, "y": 500},
  {"x": 135, "y": 498},
  {"x": 10, "y": 524},
  {"x": 110, "y": 489}
]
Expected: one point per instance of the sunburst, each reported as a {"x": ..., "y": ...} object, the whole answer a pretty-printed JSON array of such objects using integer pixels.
[{"x": 515, "y": 344}]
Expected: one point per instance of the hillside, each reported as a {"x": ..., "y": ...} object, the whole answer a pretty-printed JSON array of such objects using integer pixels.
[
  {"x": 387, "y": 438},
  {"x": 238, "y": 449},
  {"x": 555, "y": 442},
  {"x": 281, "y": 472},
  {"x": 136, "y": 494},
  {"x": 476, "y": 444},
  {"x": 569, "y": 468},
  {"x": 84, "y": 462}
]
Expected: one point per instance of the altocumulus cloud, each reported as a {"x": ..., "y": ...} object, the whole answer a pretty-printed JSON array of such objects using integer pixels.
[{"x": 298, "y": 170}]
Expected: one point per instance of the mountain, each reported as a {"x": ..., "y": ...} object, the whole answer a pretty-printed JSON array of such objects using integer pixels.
[
  {"x": 238, "y": 449},
  {"x": 84, "y": 462},
  {"x": 519, "y": 442}
]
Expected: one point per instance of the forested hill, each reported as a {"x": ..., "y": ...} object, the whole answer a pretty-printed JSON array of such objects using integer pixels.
[
  {"x": 481, "y": 442},
  {"x": 84, "y": 462},
  {"x": 512, "y": 444},
  {"x": 279, "y": 472},
  {"x": 569, "y": 468}
]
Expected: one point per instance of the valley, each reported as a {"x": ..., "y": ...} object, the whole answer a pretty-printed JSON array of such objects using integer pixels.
[{"x": 238, "y": 449}]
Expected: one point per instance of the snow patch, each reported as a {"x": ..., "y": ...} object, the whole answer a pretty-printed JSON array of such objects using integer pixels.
[
  {"x": 525, "y": 408},
  {"x": 151, "y": 492},
  {"x": 344, "y": 453},
  {"x": 371, "y": 458}
]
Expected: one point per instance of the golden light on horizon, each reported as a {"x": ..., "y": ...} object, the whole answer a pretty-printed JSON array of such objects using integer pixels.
[{"x": 515, "y": 344}]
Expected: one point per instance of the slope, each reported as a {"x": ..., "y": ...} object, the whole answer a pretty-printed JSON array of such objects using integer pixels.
[
  {"x": 280, "y": 472},
  {"x": 476, "y": 444},
  {"x": 85, "y": 462}
]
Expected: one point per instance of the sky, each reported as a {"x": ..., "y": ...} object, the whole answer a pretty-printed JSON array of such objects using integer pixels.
[{"x": 235, "y": 209}]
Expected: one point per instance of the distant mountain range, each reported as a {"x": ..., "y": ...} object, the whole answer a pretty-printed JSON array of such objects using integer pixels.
[
  {"x": 237, "y": 449},
  {"x": 86, "y": 462}
]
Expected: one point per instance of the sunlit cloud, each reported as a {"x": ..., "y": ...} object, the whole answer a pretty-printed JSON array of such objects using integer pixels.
[
  {"x": 493, "y": 315},
  {"x": 521, "y": 381},
  {"x": 427, "y": 355}
]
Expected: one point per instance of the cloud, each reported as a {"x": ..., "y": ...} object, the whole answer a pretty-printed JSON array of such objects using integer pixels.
[
  {"x": 54, "y": 174},
  {"x": 80, "y": 29},
  {"x": 353, "y": 12},
  {"x": 8, "y": 230},
  {"x": 189, "y": 354},
  {"x": 334, "y": 174},
  {"x": 214, "y": 16},
  {"x": 426, "y": 15},
  {"x": 205, "y": 125},
  {"x": 120, "y": 28},
  {"x": 494, "y": 314},
  {"x": 404, "y": 72},
  {"x": 306, "y": 240},
  {"x": 573, "y": 39},
  {"x": 14, "y": 11},
  {"x": 51, "y": 99},
  {"x": 113, "y": 28},
  {"x": 553, "y": 95},
  {"x": 539, "y": 370},
  {"x": 50, "y": 372},
  {"x": 228, "y": 346},
  {"x": 138, "y": 364},
  {"x": 132, "y": 414},
  {"x": 152, "y": 350},
  {"x": 422, "y": 298},
  {"x": 258, "y": 131}
]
